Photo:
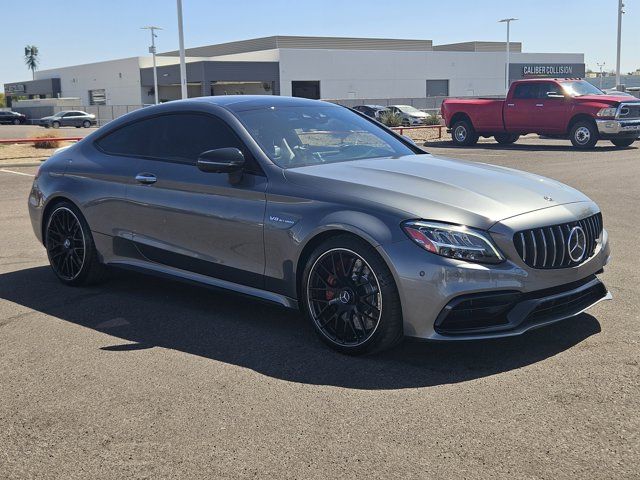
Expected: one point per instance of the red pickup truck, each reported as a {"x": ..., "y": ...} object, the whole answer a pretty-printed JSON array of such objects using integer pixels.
[{"x": 557, "y": 108}]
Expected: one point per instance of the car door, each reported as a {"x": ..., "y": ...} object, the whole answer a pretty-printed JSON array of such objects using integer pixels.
[
  {"x": 193, "y": 220},
  {"x": 552, "y": 109},
  {"x": 68, "y": 119},
  {"x": 519, "y": 109}
]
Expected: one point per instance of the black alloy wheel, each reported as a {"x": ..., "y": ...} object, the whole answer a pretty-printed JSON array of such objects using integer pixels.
[
  {"x": 65, "y": 244},
  {"x": 345, "y": 284}
]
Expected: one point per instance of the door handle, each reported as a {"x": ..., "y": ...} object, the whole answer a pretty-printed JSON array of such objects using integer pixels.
[
  {"x": 146, "y": 178},
  {"x": 511, "y": 104},
  {"x": 539, "y": 104}
]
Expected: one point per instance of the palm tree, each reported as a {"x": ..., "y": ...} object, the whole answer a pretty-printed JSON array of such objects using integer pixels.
[{"x": 31, "y": 58}]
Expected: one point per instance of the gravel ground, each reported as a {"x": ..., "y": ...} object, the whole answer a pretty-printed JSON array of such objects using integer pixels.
[{"x": 147, "y": 378}]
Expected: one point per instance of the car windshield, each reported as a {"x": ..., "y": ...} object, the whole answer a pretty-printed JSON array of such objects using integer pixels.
[
  {"x": 408, "y": 109},
  {"x": 580, "y": 87},
  {"x": 312, "y": 135}
]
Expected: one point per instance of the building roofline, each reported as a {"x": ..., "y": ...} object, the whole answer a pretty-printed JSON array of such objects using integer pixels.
[{"x": 302, "y": 42}]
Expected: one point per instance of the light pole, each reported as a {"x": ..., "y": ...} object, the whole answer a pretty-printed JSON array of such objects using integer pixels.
[
  {"x": 506, "y": 73},
  {"x": 152, "y": 51},
  {"x": 601, "y": 65},
  {"x": 183, "y": 65},
  {"x": 620, "y": 12}
]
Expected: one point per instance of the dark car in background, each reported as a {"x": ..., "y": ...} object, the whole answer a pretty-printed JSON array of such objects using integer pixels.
[
  {"x": 372, "y": 111},
  {"x": 70, "y": 118},
  {"x": 12, "y": 118}
]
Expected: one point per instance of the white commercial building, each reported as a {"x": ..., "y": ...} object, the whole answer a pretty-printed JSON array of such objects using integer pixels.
[{"x": 350, "y": 69}]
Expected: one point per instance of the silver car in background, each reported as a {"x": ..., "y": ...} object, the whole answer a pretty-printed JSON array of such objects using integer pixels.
[
  {"x": 313, "y": 206},
  {"x": 70, "y": 118},
  {"x": 410, "y": 116}
]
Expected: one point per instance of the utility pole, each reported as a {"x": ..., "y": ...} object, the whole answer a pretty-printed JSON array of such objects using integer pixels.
[
  {"x": 152, "y": 51},
  {"x": 601, "y": 65},
  {"x": 506, "y": 73},
  {"x": 620, "y": 13},
  {"x": 183, "y": 65}
]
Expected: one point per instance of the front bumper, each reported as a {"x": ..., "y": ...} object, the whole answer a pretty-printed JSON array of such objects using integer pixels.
[
  {"x": 619, "y": 127},
  {"x": 428, "y": 284}
]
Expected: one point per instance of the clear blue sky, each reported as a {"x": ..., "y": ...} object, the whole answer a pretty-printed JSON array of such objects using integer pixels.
[{"x": 70, "y": 32}]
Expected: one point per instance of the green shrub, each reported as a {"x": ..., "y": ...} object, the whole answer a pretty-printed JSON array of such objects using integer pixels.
[
  {"x": 432, "y": 120},
  {"x": 391, "y": 119}
]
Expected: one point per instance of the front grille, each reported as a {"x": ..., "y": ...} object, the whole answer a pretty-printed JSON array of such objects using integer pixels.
[
  {"x": 546, "y": 247},
  {"x": 628, "y": 111}
]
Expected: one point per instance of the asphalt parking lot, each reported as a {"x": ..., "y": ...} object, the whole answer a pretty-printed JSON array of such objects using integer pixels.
[{"x": 148, "y": 378}]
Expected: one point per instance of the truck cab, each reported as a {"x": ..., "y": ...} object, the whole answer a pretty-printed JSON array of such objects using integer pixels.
[{"x": 559, "y": 108}]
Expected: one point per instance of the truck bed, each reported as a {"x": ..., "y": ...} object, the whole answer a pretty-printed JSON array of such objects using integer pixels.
[{"x": 486, "y": 114}]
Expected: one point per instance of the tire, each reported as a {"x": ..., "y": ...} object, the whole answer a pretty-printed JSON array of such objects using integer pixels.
[
  {"x": 463, "y": 134},
  {"x": 584, "y": 134},
  {"x": 70, "y": 247},
  {"x": 16, "y": 121},
  {"x": 55, "y": 124},
  {"x": 86, "y": 124},
  {"x": 506, "y": 138},
  {"x": 350, "y": 297},
  {"x": 623, "y": 142}
]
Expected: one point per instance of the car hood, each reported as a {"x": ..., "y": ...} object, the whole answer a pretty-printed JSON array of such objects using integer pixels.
[
  {"x": 435, "y": 188},
  {"x": 610, "y": 99}
]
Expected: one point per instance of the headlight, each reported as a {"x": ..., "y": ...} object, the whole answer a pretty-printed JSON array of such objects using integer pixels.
[
  {"x": 453, "y": 241},
  {"x": 607, "y": 112}
]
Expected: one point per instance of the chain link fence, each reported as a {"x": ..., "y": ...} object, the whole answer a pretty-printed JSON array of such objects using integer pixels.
[{"x": 104, "y": 113}]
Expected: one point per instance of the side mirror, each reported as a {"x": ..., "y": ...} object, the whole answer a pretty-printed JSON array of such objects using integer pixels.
[
  {"x": 221, "y": 160},
  {"x": 554, "y": 95}
]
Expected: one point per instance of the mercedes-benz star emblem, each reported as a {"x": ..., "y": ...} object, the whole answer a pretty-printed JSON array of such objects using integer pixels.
[
  {"x": 345, "y": 296},
  {"x": 577, "y": 244}
]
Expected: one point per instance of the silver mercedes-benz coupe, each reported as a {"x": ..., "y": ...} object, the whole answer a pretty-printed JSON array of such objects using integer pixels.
[{"x": 318, "y": 207}]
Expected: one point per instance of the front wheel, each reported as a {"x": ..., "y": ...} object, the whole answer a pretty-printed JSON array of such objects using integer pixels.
[
  {"x": 72, "y": 253},
  {"x": 623, "y": 142},
  {"x": 584, "y": 135},
  {"x": 463, "y": 134},
  {"x": 55, "y": 124},
  {"x": 86, "y": 124},
  {"x": 16, "y": 121},
  {"x": 350, "y": 297},
  {"x": 506, "y": 138}
]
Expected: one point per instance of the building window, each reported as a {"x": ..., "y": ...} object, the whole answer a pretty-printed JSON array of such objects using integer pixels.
[
  {"x": 306, "y": 89},
  {"x": 437, "y": 88},
  {"x": 97, "y": 97}
]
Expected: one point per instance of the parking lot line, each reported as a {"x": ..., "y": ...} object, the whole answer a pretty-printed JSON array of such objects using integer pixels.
[{"x": 17, "y": 173}]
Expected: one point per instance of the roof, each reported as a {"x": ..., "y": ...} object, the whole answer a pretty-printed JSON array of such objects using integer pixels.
[
  {"x": 479, "y": 46},
  {"x": 251, "y": 102},
  {"x": 327, "y": 43}
]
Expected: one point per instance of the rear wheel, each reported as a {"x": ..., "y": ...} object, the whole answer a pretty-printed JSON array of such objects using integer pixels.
[
  {"x": 506, "y": 138},
  {"x": 351, "y": 298},
  {"x": 463, "y": 134},
  {"x": 623, "y": 142},
  {"x": 72, "y": 253},
  {"x": 584, "y": 134}
]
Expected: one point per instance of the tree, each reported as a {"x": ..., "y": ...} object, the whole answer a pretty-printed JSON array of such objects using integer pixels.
[
  {"x": 31, "y": 58},
  {"x": 2, "y": 100}
]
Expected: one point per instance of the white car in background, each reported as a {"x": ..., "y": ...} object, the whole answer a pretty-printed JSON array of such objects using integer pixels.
[{"x": 410, "y": 115}]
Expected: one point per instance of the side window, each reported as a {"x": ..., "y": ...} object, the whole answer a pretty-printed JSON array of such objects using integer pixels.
[
  {"x": 549, "y": 87},
  {"x": 178, "y": 137},
  {"x": 526, "y": 90}
]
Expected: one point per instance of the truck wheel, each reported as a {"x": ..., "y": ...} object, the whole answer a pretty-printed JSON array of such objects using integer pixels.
[
  {"x": 584, "y": 134},
  {"x": 463, "y": 134},
  {"x": 623, "y": 142},
  {"x": 506, "y": 138}
]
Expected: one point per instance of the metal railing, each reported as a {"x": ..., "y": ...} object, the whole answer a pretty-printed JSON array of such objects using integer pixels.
[{"x": 426, "y": 104}]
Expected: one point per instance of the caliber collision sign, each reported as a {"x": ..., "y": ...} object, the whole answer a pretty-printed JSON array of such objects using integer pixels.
[{"x": 528, "y": 70}]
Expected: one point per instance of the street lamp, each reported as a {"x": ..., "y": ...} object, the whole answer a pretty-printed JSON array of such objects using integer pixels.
[
  {"x": 506, "y": 73},
  {"x": 601, "y": 65},
  {"x": 183, "y": 65},
  {"x": 152, "y": 51},
  {"x": 620, "y": 13}
]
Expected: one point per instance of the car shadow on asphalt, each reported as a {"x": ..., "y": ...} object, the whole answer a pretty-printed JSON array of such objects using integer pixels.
[
  {"x": 537, "y": 147},
  {"x": 140, "y": 312}
]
